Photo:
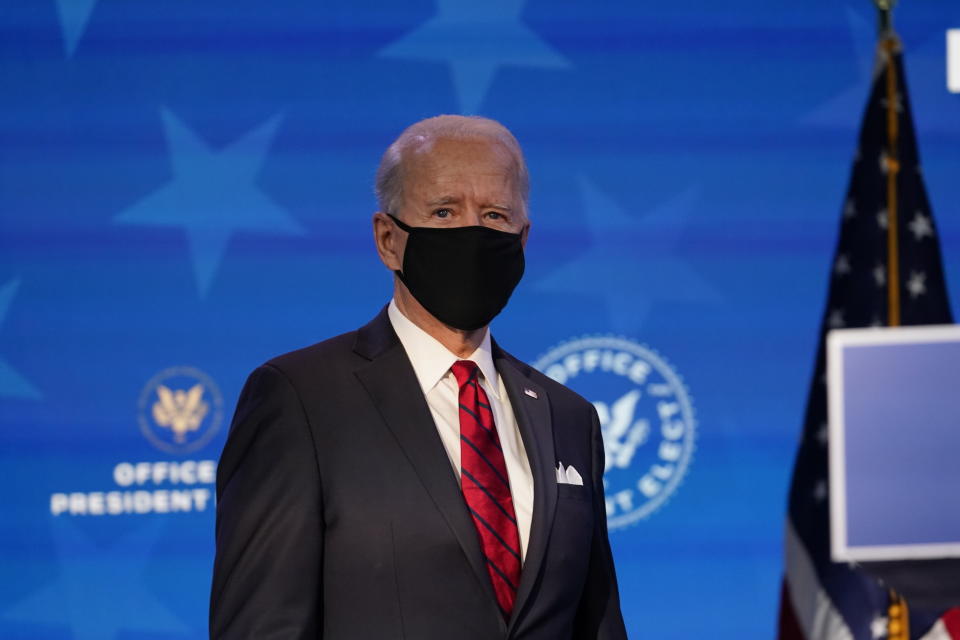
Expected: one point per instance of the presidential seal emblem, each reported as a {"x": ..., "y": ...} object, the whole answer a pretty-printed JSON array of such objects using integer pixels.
[
  {"x": 646, "y": 417},
  {"x": 180, "y": 410}
]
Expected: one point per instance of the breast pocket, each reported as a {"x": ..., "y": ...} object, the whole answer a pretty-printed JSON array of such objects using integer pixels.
[
  {"x": 573, "y": 492},
  {"x": 572, "y": 533}
]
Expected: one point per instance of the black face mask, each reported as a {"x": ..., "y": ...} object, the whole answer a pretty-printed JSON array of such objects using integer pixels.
[{"x": 462, "y": 275}]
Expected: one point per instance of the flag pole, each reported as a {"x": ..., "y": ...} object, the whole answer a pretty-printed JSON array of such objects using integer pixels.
[
  {"x": 889, "y": 44},
  {"x": 898, "y": 620}
]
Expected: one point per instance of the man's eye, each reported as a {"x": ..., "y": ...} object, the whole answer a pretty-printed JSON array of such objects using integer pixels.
[
  {"x": 442, "y": 213},
  {"x": 495, "y": 215}
]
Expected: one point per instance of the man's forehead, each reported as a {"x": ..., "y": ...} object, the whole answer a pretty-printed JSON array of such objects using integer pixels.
[
  {"x": 452, "y": 158},
  {"x": 431, "y": 149},
  {"x": 445, "y": 184},
  {"x": 449, "y": 171}
]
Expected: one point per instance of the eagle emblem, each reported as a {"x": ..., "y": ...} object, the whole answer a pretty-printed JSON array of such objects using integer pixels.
[
  {"x": 181, "y": 411},
  {"x": 622, "y": 434},
  {"x": 646, "y": 419}
]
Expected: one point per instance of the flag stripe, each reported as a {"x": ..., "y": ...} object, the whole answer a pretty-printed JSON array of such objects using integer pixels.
[
  {"x": 788, "y": 628},
  {"x": 938, "y": 632},
  {"x": 814, "y": 611},
  {"x": 951, "y": 620}
]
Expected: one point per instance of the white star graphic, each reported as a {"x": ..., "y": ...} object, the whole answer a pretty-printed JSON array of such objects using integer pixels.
[
  {"x": 835, "y": 319},
  {"x": 926, "y": 57},
  {"x": 631, "y": 262},
  {"x": 921, "y": 226},
  {"x": 884, "y": 161},
  {"x": 101, "y": 591},
  {"x": 213, "y": 195},
  {"x": 850, "y": 208},
  {"x": 475, "y": 39},
  {"x": 878, "y": 627},
  {"x": 820, "y": 491},
  {"x": 74, "y": 16},
  {"x": 823, "y": 434},
  {"x": 842, "y": 266},
  {"x": 917, "y": 284},
  {"x": 898, "y": 102},
  {"x": 844, "y": 108},
  {"x": 12, "y": 384},
  {"x": 880, "y": 275},
  {"x": 882, "y": 218}
]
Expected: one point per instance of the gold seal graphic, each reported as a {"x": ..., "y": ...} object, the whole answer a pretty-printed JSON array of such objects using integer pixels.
[{"x": 180, "y": 410}]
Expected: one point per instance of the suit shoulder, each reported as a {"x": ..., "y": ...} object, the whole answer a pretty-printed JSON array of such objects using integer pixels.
[{"x": 323, "y": 357}]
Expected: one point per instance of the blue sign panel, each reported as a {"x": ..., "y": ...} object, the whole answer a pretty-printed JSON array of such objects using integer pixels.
[{"x": 894, "y": 442}]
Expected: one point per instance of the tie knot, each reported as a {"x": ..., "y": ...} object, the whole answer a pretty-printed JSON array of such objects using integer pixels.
[{"x": 465, "y": 371}]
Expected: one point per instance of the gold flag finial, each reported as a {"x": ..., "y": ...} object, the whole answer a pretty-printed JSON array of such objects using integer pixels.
[
  {"x": 885, "y": 9},
  {"x": 898, "y": 618}
]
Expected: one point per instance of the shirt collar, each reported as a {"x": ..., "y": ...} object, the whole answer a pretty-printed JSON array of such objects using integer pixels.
[{"x": 431, "y": 360}]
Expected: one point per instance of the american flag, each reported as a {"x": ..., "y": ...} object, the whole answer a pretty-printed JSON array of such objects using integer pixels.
[{"x": 821, "y": 599}]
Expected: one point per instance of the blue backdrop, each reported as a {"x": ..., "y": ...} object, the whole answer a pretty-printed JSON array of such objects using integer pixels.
[{"x": 186, "y": 190}]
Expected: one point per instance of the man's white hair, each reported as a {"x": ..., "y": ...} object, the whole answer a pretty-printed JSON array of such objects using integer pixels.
[{"x": 389, "y": 180}]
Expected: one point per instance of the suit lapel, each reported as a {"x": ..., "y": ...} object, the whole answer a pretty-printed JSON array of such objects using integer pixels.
[
  {"x": 533, "y": 418},
  {"x": 392, "y": 384}
]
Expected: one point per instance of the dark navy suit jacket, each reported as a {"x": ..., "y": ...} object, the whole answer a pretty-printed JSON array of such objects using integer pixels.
[{"x": 339, "y": 517}]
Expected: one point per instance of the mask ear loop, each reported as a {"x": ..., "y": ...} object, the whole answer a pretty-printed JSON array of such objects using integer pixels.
[{"x": 404, "y": 226}]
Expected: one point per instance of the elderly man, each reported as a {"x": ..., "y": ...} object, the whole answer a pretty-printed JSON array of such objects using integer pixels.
[{"x": 411, "y": 479}]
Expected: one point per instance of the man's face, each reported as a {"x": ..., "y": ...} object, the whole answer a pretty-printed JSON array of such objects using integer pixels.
[{"x": 456, "y": 183}]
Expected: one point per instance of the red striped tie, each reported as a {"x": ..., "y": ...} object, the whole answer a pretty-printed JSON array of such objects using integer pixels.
[{"x": 486, "y": 487}]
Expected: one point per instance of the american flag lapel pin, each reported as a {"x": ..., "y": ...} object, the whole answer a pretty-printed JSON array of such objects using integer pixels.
[{"x": 531, "y": 393}]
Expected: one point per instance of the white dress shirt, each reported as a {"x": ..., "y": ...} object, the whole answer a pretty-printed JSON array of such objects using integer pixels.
[{"x": 431, "y": 362}]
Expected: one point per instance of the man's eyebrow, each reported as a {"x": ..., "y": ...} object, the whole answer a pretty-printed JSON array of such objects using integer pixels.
[
  {"x": 494, "y": 205},
  {"x": 444, "y": 200}
]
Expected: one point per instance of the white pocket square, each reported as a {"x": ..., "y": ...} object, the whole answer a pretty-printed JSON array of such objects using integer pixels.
[{"x": 568, "y": 475}]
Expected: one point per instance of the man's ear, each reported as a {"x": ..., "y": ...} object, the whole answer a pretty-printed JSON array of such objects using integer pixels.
[
  {"x": 390, "y": 241},
  {"x": 524, "y": 233}
]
